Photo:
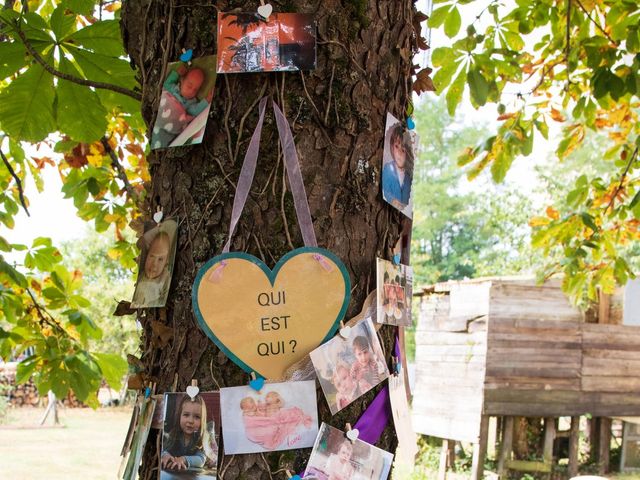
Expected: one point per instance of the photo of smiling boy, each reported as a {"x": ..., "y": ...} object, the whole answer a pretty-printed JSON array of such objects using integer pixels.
[
  {"x": 154, "y": 279},
  {"x": 347, "y": 368}
]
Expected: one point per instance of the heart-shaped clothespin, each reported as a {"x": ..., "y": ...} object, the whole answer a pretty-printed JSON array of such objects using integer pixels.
[
  {"x": 265, "y": 11},
  {"x": 186, "y": 55},
  {"x": 157, "y": 217},
  {"x": 147, "y": 392},
  {"x": 192, "y": 391},
  {"x": 256, "y": 382},
  {"x": 409, "y": 109},
  {"x": 345, "y": 332},
  {"x": 352, "y": 433},
  {"x": 410, "y": 123},
  {"x": 396, "y": 258},
  {"x": 397, "y": 365},
  {"x": 293, "y": 477}
]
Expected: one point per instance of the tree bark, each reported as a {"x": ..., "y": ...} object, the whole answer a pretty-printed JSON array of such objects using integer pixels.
[{"x": 337, "y": 113}]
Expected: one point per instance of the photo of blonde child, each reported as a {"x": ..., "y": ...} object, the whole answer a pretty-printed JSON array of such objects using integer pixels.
[
  {"x": 335, "y": 457},
  {"x": 189, "y": 446},
  {"x": 347, "y": 368},
  {"x": 156, "y": 266},
  {"x": 280, "y": 416}
]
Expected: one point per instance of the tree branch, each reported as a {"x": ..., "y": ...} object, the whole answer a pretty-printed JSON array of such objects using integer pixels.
[
  {"x": 604, "y": 32},
  {"x": 120, "y": 172},
  {"x": 41, "y": 311},
  {"x": 632, "y": 159},
  {"x": 568, "y": 41},
  {"x": 18, "y": 182},
  {"x": 71, "y": 78}
]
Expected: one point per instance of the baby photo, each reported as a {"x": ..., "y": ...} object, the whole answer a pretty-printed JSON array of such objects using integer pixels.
[
  {"x": 335, "y": 457},
  {"x": 281, "y": 416},
  {"x": 156, "y": 265},
  {"x": 247, "y": 42},
  {"x": 394, "y": 291},
  {"x": 347, "y": 368},
  {"x": 397, "y": 165},
  {"x": 184, "y": 103},
  {"x": 189, "y": 437}
]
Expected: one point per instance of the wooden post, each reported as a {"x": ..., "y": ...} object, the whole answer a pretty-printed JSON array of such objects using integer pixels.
[
  {"x": 51, "y": 407},
  {"x": 442, "y": 467},
  {"x": 604, "y": 445},
  {"x": 506, "y": 446},
  {"x": 549, "y": 436},
  {"x": 480, "y": 450},
  {"x": 574, "y": 443},
  {"x": 451, "y": 455}
]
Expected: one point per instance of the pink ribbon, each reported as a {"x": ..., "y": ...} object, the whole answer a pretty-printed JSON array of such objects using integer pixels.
[{"x": 293, "y": 173}]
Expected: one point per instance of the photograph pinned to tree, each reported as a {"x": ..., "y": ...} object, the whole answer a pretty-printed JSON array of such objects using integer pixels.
[
  {"x": 247, "y": 42},
  {"x": 190, "y": 436},
  {"x": 158, "y": 246},
  {"x": 281, "y": 416},
  {"x": 394, "y": 292},
  {"x": 347, "y": 368},
  {"x": 336, "y": 457},
  {"x": 184, "y": 104},
  {"x": 398, "y": 160}
]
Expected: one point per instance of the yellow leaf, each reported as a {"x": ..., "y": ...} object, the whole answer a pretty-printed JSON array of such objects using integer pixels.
[
  {"x": 539, "y": 222},
  {"x": 552, "y": 213}
]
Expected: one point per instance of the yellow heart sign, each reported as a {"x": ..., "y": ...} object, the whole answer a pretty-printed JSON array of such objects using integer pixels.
[{"x": 266, "y": 320}]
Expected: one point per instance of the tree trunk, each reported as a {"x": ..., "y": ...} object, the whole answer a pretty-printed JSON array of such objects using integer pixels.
[{"x": 337, "y": 113}]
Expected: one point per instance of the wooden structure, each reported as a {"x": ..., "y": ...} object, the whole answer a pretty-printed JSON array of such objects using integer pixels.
[{"x": 509, "y": 347}]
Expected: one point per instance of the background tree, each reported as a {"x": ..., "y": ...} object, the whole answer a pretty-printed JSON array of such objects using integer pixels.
[{"x": 548, "y": 65}]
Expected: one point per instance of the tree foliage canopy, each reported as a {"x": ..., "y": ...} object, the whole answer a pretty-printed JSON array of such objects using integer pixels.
[
  {"x": 572, "y": 66},
  {"x": 65, "y": 88}
]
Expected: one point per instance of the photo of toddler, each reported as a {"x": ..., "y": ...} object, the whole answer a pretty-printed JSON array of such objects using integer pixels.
[
  {"x": 189, "y": 446},
  {"x": 334, "y": 457},
  {"x": 156, "y": 265},
  {"x": 184, "y": 104},
  {"x": 347, "y": 368},
  {"x": 281, "y": 416}
]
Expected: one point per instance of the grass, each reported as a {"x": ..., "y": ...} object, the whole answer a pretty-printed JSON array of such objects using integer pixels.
[{"x": 87, "y": 447}]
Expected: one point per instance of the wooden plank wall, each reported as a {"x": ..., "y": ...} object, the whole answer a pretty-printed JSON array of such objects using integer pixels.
[
  {"x": 447, "y": 401},
  {"x": 611, "y": 369},
  {"x": 533, "y": 367}
]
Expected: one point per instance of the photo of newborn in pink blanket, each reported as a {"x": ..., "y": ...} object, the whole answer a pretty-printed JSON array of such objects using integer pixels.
[
  {"x": 281, "y": 416},
  {"x": 184, "y": 103}
]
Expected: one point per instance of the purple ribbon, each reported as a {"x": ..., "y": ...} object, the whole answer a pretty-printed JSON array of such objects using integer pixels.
[
  {"x": 375, "y": 418},
  {"x": 293, "y": 173}
]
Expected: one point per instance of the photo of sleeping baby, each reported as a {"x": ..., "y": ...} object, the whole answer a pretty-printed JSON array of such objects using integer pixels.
[
  {"x": 335, "y": 457},
  {"x": 347, "y": 368},
  {"x": 281, "y": 416},
  {"x": 158, "y": 247},
  {"x": 190, "y": 437},
  {"x": 184, "y": 103},
  {"x": 394, "y": 291}
]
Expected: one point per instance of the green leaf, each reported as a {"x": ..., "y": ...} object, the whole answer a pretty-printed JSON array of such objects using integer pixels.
[
  {"x": 62, "y": 23},
  {"x": 438, "y": 16},
  {"x": 12, "y": 58},
  {"x": 13, "y": 274},
  {"x": 26, "y": 105},
  {"x": 454, "y": 94},
  {"x": 478, "y": 86},
  {"x": 25, "y": 369},
  {"x": 589, "y": 222},
  {"x": 80, "y": 113},
  {"x": 113, "y": 368},
  {"x": 83, "y": 7},
  {"x": 443, "y": 76},
  {"x": 101, "y": 37},
  {"x": 452, "y": 23}
]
